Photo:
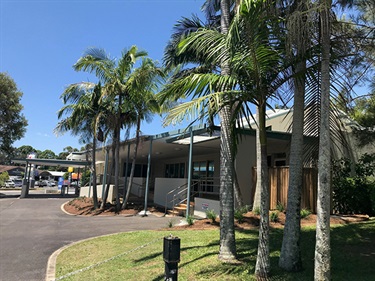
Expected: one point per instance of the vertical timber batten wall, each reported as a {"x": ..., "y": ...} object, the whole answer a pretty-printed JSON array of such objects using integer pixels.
[{"x": 279, "y": 181}]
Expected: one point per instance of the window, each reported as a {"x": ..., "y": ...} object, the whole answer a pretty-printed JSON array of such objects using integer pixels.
[
  {"x": 140, "y": 170},
  {"x": 204, "y": 172},
  {"x": 176, "y": 170}
]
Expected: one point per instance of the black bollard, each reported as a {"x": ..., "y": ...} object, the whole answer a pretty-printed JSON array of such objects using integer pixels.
[{"x": 171, "y": 255}]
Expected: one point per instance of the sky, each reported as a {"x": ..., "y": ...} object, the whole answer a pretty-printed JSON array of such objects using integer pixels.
[{"x": 41, "y": 40}]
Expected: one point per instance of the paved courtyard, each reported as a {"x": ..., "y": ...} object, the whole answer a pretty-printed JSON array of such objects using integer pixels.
[{"x": 32, "y": 229}]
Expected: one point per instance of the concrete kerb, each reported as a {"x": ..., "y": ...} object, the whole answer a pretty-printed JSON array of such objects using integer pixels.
[{"x": 51, "y": 264}]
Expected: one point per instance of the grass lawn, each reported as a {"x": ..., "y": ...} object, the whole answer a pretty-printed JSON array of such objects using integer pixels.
[{"x": 353, "y": 255}]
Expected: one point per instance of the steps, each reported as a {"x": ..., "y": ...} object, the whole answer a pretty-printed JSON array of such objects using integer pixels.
[{"x": 180, "y": 209}]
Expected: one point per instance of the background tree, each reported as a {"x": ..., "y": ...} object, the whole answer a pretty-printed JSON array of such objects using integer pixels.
[
  {"x": 144, "y": 82},
  {"x": 23, "y": 151},
  {"x": 12, "y": 122},
  {"x": 81, "y": 116},
  {"x": 114, "y": 76}
]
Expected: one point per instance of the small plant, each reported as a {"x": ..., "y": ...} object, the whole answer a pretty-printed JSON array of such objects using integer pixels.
[
  {"x": 238, "y": 215},
  {"x": 256, "y": 211},
  {"x": 274, "y": 216},
  {"x": 280, "y": 207},
  {"x": 210, "y": 214},
  {"x": 305, "y": 213},
  {"x": 190, "y": 220},
  {"x": 170, "y": 224}
]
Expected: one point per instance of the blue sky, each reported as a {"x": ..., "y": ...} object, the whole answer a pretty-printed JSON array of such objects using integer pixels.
[{"x": 41, "y": 40}]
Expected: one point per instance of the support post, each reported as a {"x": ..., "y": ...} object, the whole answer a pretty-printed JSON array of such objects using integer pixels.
[
  {"x": 24, "y": 191},
  {"x": 148, "y": 177},
  {"x": 190, "y": 172}
]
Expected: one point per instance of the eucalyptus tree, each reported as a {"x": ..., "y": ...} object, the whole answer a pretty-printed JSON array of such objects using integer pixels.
[
  {"x": 81, "y": 116},
  {"x": 142, "y": 85},
  {"x": 114, "y": 76}
]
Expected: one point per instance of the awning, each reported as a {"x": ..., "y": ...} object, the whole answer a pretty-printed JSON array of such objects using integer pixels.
[{"x": 53, "y": 162}]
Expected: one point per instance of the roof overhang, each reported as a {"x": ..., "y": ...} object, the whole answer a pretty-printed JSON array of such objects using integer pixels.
[{"x": 53, "y": 162}]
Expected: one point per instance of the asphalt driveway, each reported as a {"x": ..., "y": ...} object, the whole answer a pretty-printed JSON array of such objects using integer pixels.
[{"x": 32, "y": 229}]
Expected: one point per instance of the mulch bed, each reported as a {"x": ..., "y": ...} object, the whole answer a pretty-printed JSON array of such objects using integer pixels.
[{"x": 84, "y": 207}]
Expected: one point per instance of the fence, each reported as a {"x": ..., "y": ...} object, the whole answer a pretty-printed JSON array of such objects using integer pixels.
[{"x": 278, "y": 187}]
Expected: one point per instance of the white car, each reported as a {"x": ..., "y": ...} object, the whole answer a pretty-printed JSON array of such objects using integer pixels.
[{"x": 9, "y": 183}]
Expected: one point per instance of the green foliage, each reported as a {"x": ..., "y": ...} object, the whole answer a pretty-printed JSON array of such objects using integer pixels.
[
  {"x": 4, "y": 176},
  {"x": 256, "y": 211},
  {"x": 238, "y": 215},
  {"x": 170, "y": 224},
  {"x": 190, "y": 220},
  {"x": 305, "y": 213},
  {"x": 13, "y": 123},
  {"x": 280, "y": 207},
  {"x": 85, "y": 177},
  {"x": 210, "y": 214},
  {"x": 354, "y": 186},
  {"x": 274, "y": 216}
]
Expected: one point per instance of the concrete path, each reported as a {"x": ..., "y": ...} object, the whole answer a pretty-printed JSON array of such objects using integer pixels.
[{"x": 32, "y": 229}]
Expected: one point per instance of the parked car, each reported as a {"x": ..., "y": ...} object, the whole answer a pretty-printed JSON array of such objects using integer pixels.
[
  {"x": 51, "y": 183},
  {"x": 9, "y": 183},
  {"x": 17, "y": 183}
]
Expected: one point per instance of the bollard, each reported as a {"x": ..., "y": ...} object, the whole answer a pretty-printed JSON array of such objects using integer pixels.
[{"x": 171, "y": 256}]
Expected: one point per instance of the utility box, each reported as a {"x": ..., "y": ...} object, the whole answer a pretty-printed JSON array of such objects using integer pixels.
[{"x": 171, "y": 252}]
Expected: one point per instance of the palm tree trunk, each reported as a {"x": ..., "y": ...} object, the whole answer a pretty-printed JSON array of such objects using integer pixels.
[
  {"x": 130, "y": 183},
  {"x": 94, "y": 186},
  {"x": 117, "y": 167},
  {"x": 227, "y": 251},
  {"x": 322, "y": 266},
  {"x": 262, "y": 266},
  {"x": 104, "y": 200},
  {"x": 290, "y": 256}
]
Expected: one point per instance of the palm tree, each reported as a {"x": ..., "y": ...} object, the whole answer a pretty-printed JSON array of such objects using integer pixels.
[
  {"x": 114, "y": 75},
  {"x": 299, "y": 39},
  {"x": 82, "y": 107},
  {"x": 322, "y": 266},
  {"x": 143, "y": 83},
  {"x": 209, "y": 66},
  {"x": 254, "y": 76}
]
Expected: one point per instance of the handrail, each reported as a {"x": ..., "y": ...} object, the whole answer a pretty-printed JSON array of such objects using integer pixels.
[
  {"x": 170, "y": 192},
  {"x": 173, "y": 191}
]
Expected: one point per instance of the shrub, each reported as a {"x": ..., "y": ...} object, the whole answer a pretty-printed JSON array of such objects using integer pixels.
[
  {"x": 170, "y": 224},
  {"x": 210, "y": 214},
  {"x": 274, "y": 216},
  {"x": 280, "y": 207},
  {"x": 354, "y": 185},
  {"x": 256, "y": 211},
  {"x": 305, "y": 213},
  {"x": 190, "y": 220},
  {"x": 238, "y": 215}
]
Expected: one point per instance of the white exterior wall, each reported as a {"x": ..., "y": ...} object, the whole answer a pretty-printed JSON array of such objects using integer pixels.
[
  {"x": 203, "y": 205},
  {"x": 245, "y": 161},
  {"x": 163, "y": 186}
]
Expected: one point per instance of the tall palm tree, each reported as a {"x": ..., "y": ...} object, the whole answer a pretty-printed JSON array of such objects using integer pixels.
[
  {"x": 83, "y": 109},
  {"x": 322, "y": 265},
  {"x": 209, "y": 66},
  {"x": 144, "y": 82},
  {"x": 254, "y": 76},
  {"x": 114, "y": 75},
  {"x": 298, "y": 37}
]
